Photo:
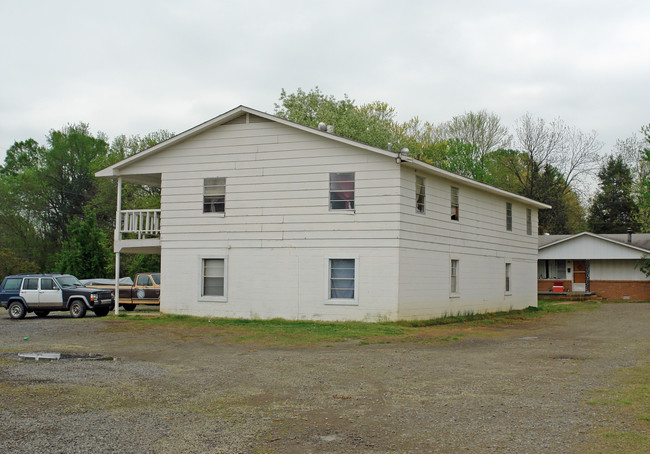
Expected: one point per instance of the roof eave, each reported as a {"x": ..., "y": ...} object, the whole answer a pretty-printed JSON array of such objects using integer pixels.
[
  {"x": 593, "y": 235},
  {"x": 114, "y": 170}
]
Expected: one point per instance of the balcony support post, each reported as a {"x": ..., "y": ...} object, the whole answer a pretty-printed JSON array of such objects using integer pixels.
[{"x": 118, "y": 237}]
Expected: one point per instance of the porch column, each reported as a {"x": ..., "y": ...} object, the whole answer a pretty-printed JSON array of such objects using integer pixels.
[{"x": 118, "y": 236}]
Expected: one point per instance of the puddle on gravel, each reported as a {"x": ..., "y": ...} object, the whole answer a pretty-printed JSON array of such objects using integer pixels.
[{"x": 57, "y": 356}]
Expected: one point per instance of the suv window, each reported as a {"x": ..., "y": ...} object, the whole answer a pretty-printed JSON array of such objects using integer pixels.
[
  {"x": 48, "y": 284},
  {"x": 68, "y": 281},
  {"x": 13, "y": 283},
  {"x": 31, "y": 283}
]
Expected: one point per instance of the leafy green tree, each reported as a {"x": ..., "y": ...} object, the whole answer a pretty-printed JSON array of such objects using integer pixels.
[
  {"x": 372, "y": 123},
  {"x": 613, "y": 209},
  {"x": 12, "y": 263},
  {"x": 643, "y": 181},
  {"x": 456, "y": 156},
  {"x": 86, "y": 252},
  {"x": 482, "y": 130},
  {"x": 71, "y": 161},
  {"x": 644, "y": 265}
]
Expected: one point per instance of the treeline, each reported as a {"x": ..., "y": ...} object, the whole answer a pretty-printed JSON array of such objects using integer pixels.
[
  {"x": 551, "y": 162},
  {"x": 56, "y": 216}
]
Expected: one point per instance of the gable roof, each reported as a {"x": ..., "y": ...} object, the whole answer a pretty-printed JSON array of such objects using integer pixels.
[
  {"x": 113, "y": 171},
  {"x": 640, "y": 241}
]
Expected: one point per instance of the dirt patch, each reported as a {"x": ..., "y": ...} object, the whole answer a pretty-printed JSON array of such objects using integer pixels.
[{"x": 518, "y": 388}]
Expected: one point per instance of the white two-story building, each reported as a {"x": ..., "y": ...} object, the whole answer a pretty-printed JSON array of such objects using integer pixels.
[{"x": 261, "y": 218}]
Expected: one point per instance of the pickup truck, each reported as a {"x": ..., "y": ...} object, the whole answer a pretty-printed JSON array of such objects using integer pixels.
[
  {"x": 42, "y": 293},
  {"x": 145, "y": 290}
]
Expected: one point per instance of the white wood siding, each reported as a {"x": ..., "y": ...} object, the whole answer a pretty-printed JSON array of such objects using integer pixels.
[
  {"x": 280, "y": 282},
  {"x": 615, "y": 270},
  {"x": 588, "y": 248},
  {"x": 277, "y": 230},
  {"x": 479, "y": 240}
]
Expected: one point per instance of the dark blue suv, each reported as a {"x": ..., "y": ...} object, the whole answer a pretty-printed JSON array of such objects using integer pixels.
[{"x": 42, "y": 293}]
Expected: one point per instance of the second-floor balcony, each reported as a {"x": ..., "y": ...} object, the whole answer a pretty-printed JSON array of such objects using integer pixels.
[
  {"x": 138, "y": 231},
  {"x": 139, "y": 224}
]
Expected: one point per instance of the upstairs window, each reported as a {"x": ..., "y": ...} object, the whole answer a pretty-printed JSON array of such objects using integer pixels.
[
  {"x": 529, "y": 221},
  {"x": 214, "y": 195},
  {"x": 342, "y": 191},
  {"x": 509, "y": 217},
  {"x": 508, "y": 266},
  {"x": 454, "y": 204},
  {"x": 419, "y": 195}
]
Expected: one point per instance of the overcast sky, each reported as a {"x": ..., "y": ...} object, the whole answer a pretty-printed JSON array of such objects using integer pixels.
[{"x": 132, "y": 67}]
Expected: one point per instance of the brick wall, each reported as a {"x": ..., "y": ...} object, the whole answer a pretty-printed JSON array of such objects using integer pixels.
[
  {"x": 546, "y": 285},
  {"x": 619, "y": 290}
]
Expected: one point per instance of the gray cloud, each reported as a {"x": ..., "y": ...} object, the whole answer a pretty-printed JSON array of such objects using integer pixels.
[{"x": 135, "y": 67}]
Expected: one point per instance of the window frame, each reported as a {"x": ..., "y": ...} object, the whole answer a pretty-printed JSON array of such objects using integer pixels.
[
  {"x": 213, "y": 203},
  {"x": 508, "y": 216},
  {"x": 454, "y": 274},
  {"x": 213, "y": 298},
  {"x": 328, "y": 287},
  {"x": 420, "y": 204},
  {"x": 529, "y": 221},
  {"x": 455, "y": 203},
  {"x": 54, "y": 285},
  {"x": 351, "y": 202},
  {"x": 13, "y": 287},
  {"x": 30, "y": 280}
]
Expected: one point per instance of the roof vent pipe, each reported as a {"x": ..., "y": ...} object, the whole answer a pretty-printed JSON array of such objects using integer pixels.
[
  {"x": 330, "y": 129},
  {"x": 322, "y": 126},
  {"x": 629, "y": 235}
]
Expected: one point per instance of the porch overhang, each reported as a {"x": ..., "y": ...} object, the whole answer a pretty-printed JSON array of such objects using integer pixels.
[
  {"x": 145, "y": 179},
  {"x": 138, "y": 246}
]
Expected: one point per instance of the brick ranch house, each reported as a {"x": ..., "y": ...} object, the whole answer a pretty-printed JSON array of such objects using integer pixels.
[{"x": 606, "y": 265}]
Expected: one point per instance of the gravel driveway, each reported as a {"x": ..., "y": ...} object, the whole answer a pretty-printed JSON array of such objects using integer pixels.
[{"x": 522, "y": 388}]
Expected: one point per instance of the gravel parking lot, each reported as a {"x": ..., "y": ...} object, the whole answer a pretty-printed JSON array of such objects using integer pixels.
[{"x": 522, "y": 388}]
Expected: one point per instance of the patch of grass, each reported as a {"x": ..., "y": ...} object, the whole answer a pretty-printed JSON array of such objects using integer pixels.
[
  {"x": 629, "y": 400},
  {"x": 302, "y": 332}
]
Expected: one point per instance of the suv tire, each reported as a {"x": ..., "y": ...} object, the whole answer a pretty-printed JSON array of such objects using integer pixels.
[
  {"x": 101, "y": 312},
  {"x": 17, "y": 310},
  {"x": 77, "y": 309}
]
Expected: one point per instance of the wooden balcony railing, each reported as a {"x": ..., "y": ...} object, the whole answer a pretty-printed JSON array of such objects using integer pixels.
[{"x": 139, "y": 224}]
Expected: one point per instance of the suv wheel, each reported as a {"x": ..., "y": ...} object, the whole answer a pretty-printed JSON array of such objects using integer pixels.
[
  {"x": 77, "y": 309},
  {"x": 128, "y": 307},
  {"x": 17, "y": 310}
]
